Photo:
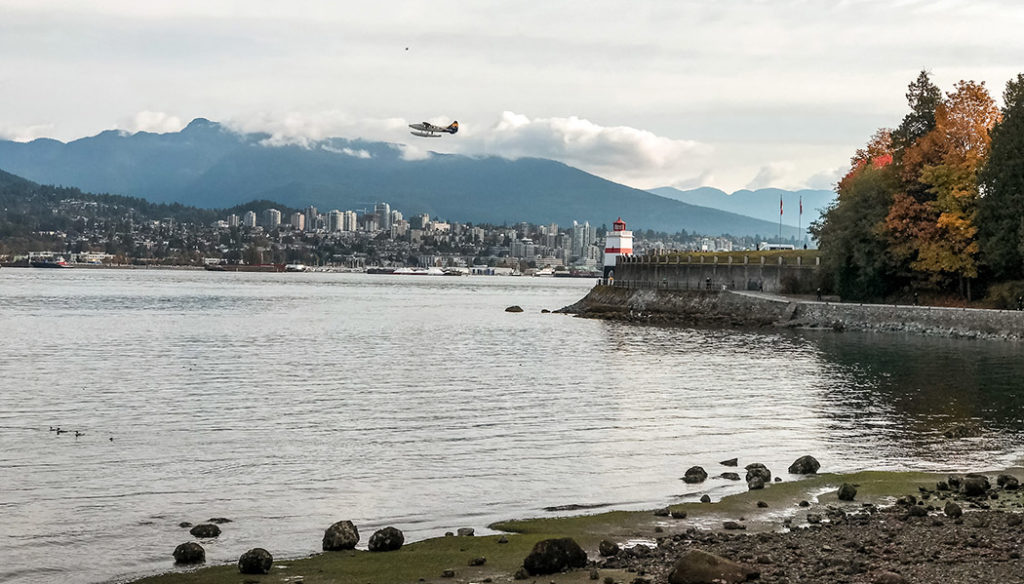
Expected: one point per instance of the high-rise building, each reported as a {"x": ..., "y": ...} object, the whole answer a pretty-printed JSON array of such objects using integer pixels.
[
  {"x": 335, "y": 218},
  {"x": 233, "y": 220},
  {"x": 298, "y": 221},
  {"x": 312, "y": 218},
  {"x": 249, "y": 219},
  {"x": 383, "y": 212},
  {"x": 582, "y": 236},
  {"x": 349, "y": 221},
  {"x": 271, "y": 218}
]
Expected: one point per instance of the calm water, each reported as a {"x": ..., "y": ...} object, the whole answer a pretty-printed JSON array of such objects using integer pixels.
[{"x": 286, "y": 402}]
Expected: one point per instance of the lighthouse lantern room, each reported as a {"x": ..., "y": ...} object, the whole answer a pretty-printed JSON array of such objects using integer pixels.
[{"x": 618, "y": 242}]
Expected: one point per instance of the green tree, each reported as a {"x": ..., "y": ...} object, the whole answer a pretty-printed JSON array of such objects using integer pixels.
[{"x": 1001, "y": 206}]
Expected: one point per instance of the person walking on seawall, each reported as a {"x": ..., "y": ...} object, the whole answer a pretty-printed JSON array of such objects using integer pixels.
[
  {"x": 1020, "y": 303},
  {"x": 819, "y": 294}
]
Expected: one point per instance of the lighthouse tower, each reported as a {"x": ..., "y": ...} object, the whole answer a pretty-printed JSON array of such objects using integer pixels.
[{"x": 618, "y": 242}]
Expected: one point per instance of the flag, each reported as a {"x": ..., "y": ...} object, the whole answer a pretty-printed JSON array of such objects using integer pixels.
[
  {"x": 780, "y": 205},
  {"x": 801, "y": 205}
]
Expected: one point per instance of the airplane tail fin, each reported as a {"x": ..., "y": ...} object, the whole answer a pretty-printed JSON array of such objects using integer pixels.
[{"x": 453, "y": 127}]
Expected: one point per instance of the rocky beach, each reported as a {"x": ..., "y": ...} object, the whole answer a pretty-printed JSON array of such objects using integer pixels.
[{"x": 864, "y": 528}]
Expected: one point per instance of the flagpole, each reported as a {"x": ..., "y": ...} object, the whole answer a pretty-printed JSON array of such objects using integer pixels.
[
  {"x": 780, "y": 218},
  {"x": 800, "y": 220}
]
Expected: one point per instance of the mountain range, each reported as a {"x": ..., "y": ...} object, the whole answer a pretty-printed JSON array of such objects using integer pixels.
[
  {"x": 762, "y": 203},
  {"x": 210, "y": 166}
]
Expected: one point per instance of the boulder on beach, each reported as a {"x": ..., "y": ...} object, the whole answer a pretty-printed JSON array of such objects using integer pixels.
[
  {"x": 699, "y": 567},
  {"x": 804, "y": 465},
  {"x": 952, "y": 510},
  {"x": 1008, "y": 482},
  {"x": 974, "y": 485},
  {"x": 755, "y": 483},
  {"x": 255, "y": 561},
  {"x": 514, "y": 309},
  {"x": 847, "y": 492},
  {"x": 551, "y": 556},
  {"x": 732, "y": 476},
  {"x": 388, "y": 539},
  {"x": 466, "y": 532},
  {"x": 205, "y": 530},
  {"x": 189, "y": 553},
  {"x": 343, "y": 535},
  {"x": 607, "y": 548},
  {"x": 730, "y": 462},
  {"x": 695, "y": 474},
  {"x": 756, "y": 469}
]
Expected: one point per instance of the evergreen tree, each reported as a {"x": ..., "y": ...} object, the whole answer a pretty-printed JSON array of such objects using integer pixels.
[{"x": 1001, "y": 207}]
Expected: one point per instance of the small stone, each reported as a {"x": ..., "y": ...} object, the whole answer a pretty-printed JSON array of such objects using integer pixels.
[
  {"x": 255, "y": 561},
  {"x": 218, "y": 520},
  {"x": 732, "y": 525},
  {"x": 663, "y": 512},
  {"x": 730, "y": 462},
  {"x": 478, "y": 561},
  {"x": 888, "y": 578},
  {"x": 449, "y": 573},
  {"x": 705, "y": 499},
  {"x": 503, "y": 539},
  {"x": 804, "y": 504},
  {"x": 659, "y": 529},
  {"x": 762, "y": 505},
  {"x": 732, "y": 476},
  {"x": 185, "y": 525},
  {"x": 594, "y": 575},
  {"x": 514, "y": 309},
  {"x": 466, "y": 532},
  {"x": 678, "y": 514},
  {"x": 813, "y": 518}
]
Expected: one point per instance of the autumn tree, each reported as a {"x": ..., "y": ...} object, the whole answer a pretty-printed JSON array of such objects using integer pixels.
[
  {"x": 1001, "y": 207},
  {"x": 960, "y": 140}
]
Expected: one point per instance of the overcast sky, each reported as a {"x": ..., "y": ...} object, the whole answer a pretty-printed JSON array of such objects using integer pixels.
[{"x": 726, "y": 93}]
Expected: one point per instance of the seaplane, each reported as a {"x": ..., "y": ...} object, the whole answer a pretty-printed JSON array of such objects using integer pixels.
[{"x": 428, "y": 130}]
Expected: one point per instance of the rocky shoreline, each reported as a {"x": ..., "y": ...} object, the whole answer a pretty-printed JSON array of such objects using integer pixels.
[
  {"x": 869, "y": 527},
  {"x": 743, "y": 309}
]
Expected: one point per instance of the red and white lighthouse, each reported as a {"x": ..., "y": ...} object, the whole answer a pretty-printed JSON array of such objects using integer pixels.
[{"x": 618, "y": 242}]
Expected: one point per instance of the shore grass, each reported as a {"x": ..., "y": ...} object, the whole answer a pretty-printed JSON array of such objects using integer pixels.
[{"x": 424, "y": 561}]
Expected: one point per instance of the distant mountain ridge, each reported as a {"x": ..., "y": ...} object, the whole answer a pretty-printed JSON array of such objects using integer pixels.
[
  {"x": 761, "y": 204},
  {"x": 209, "y": 166}
]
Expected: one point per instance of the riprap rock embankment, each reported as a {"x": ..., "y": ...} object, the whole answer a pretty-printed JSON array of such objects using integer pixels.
[{"x": 758, "y": 309}]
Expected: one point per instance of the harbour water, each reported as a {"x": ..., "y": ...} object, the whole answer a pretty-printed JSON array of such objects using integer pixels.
[{"x": 286, "y": 402}]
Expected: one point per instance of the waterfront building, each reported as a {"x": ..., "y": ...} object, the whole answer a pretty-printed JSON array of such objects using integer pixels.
[
  {"x": 618, "y": 242},
  {"x": 582, "y": 236}
]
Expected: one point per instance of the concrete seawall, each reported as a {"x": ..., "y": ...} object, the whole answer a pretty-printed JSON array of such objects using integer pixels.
[{"x": 747, "y": 309}]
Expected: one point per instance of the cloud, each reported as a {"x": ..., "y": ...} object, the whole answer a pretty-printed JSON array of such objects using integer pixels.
[
  {"x": 774, "y": 174},
  {"x": 347, "y": 151},
  {"x": 307, "y": 129},
  {"x": 620, "y": 153},
  {"x": 147, "y": 121},
  {"x": 826, "y": 179},
  {"x": 26, "y": 133}
]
